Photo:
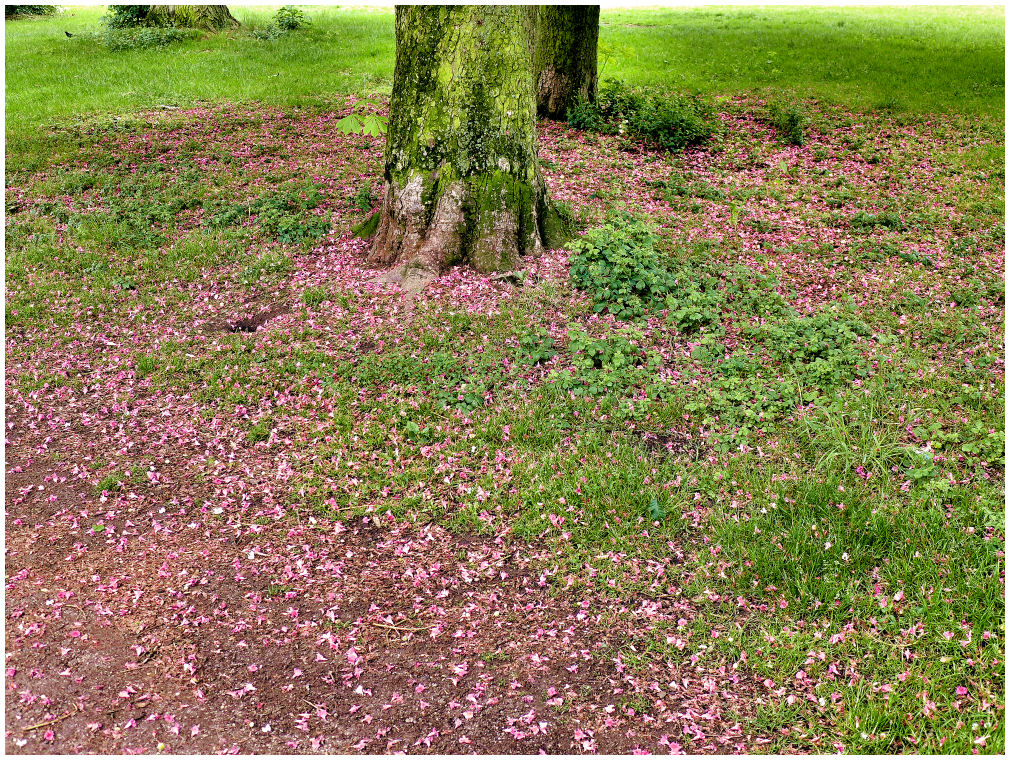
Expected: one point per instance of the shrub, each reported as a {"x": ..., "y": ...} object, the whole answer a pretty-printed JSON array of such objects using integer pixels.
[
  {"x": 620, "y": 267},
  {"x": 694, "y": 310},
  {"x": 585, "y": 115},
  {"x": 126, "y": 16},
  {"x": 789, "y": 121},
  {"x": 287, "y": 19},
  {"x": 290, "y": 18},
  {"x": 672, "y": 123},
  {"x": 786, "y": 362},
  {"x": 26, "y": 11},
  {"x": 610, "y": 365},
  {"x": 537, "y": 346}
]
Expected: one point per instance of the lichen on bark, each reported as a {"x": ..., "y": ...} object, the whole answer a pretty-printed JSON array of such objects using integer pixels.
[{"x": 463, "y": 183}]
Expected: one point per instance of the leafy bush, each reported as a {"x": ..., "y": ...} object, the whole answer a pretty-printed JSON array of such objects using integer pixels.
[
  {"x": 290, "y": 17},
  {"x": 786, "y": 362},
  {"x": 694, "y": 310},
  {"x": 619, "y": 266},
  {"x": 822, "y": 344},
  {"x": 538, "y": 346},
  {"x": 586, "y": 115},
  {"x": 609, "y": 365},
  {"x": 672, "y": 123},
  {"x": 789, "y": 121},
  {"x": 125, "y": 16},
  {"x": 287, "y": 19},
  {"x": 26, "y": 11}
]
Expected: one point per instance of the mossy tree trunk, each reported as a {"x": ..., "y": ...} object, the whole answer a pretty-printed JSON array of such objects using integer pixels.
[
  {"x": 565, "y": 61},
  {"x": 211, "y": 18},
  {"x": 463, "y": 183}
]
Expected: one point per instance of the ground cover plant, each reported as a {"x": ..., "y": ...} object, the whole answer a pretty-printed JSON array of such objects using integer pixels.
[{"x": 724, "y": 474}]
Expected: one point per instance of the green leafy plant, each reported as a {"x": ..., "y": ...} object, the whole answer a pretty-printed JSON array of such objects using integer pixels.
[
  {"x": 865, "y": 220},
  {"x": 619, "y": 266},
  {"x": 364, "y": 198},
  {"x": 259, "y": 432},
  {"x": 609, "y": 365},
  {"x": 142, "y": 38},
  {"x": 110, "y": 483},
  {"x": 789, "y": 121},
  {"x": 538, "y": 346},
  {"x": 788, "y": 361},
  {"x": 283, "y": 215},
  {"x": 669, "y": 122},
  {"x": 26, "y": 11},
  {"x": 125, "y": 16},
  {"x": 363, "y": 122},
  {"x": 290, "y": 17},
  {"x": 145, "y": 366},
  {"x": 693, "y": 310}
]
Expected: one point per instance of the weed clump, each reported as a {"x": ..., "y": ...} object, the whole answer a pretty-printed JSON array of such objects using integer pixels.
[
  {"x": 864, "y": 220},
  {"x": 671, "y": 123},
  {"x": 282, "y": 215},
  {"x": 618, "y": 265},
  {"x": 287, "y": 19},
  {"x": 785, "y": 360},
  {"x": 143, "y": 38},
  {"x": 790, "y": 122}
]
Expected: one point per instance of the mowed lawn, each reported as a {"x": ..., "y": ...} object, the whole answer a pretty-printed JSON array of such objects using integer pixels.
[
  {"x": 916, "y": 60},
  {"x": 254, "y": 492}
]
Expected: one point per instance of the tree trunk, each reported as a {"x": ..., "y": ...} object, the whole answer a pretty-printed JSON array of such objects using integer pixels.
[
  {"x": 211, "y": 18},
  {"x": 567, "y": 37},
  {"x": 463, "y": 183}
]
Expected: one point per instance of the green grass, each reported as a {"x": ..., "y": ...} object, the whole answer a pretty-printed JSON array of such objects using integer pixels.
[
  {"x": 916, "y": 60},
  {"x": 919, "y": 60}
]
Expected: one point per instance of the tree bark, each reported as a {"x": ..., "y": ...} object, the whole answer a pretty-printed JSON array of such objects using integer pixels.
[
  {"x": 566, "y": 49},
  {"x": 463, "y": 183},
  {"x": 211, "y": 18}
]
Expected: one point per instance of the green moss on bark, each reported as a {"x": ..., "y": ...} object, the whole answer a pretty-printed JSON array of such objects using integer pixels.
[{"x": 463, "y": 182}]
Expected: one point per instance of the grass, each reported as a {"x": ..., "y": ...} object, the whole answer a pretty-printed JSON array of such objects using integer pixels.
[
  {"x": 813, "y": 427},
  {"x": 907, "y": 60},
  {"x": 915, "y": 60}
]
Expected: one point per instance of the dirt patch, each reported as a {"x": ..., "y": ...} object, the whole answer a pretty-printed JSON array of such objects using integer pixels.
[
  {"x": 675, "y": 443},
  {"x": 251, "y": 324},
  {"x": 186, "y": 627}
]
